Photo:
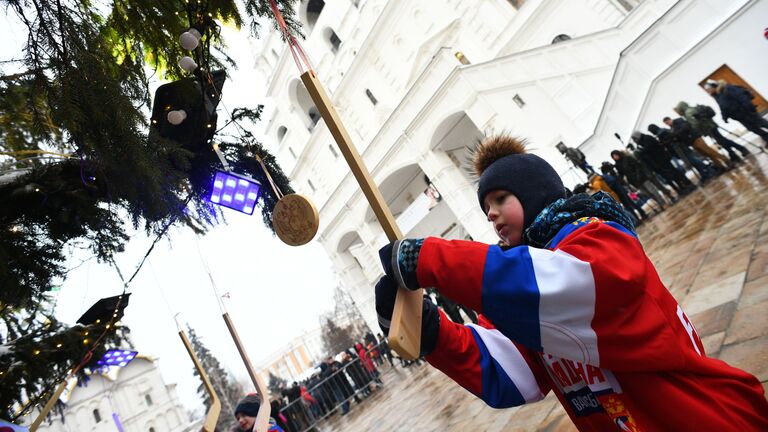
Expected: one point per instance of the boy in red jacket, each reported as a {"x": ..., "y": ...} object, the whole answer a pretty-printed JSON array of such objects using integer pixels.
[{"x": 570, "y": 304}]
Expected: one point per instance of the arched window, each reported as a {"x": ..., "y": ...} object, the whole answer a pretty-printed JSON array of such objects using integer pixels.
[
  {"x": 333, "y": 39},
  {"x": 281, "y": 131},
  {"x": 148, "y": 399},
  {"x": 96, "y": 416},
  {"x": 560, "y": 38},
  {"x": 371, "y": 97},
  {"x": 333, "y": 151},
  {"x": 314, "y": 115},
  {"x": 313, "y": 9},
  {"x": 302, "y": 100}
]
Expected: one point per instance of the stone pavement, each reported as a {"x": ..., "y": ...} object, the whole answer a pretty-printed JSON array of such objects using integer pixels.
[{"x": 710, "y": 249}]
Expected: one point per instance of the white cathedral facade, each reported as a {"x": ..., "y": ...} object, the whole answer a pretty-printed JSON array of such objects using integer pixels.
[
  {"x": 133, "y": 398},
  {"x": 417, "y": 82}
]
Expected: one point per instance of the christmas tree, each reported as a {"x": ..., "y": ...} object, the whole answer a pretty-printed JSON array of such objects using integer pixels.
[
  {"x": 228, "y": 390},
  {"x": 276, "y": 384},
  {"x": 81, "y": 156}
]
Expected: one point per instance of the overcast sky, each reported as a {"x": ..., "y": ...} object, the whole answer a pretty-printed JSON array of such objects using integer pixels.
[{"x": 276, "y": 291}]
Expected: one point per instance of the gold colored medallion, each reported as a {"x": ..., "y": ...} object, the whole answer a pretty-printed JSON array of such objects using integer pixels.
[{"x": 295, "y": 219}]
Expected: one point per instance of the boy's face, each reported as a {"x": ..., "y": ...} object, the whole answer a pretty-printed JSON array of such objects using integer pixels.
[
  {"x": 506, "y": 214},
  {"x": 246, "y": 422},
  {"x": 668, "y": 122}
]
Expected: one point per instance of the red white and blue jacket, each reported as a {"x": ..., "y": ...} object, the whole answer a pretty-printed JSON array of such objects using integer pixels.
[{"x": 589, "y": 319}]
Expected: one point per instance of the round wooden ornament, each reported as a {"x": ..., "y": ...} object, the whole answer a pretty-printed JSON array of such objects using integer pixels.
[{"x": 295, "y": 220}]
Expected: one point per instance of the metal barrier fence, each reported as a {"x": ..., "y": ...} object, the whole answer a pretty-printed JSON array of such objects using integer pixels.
[{"x": 336, "y": 387}]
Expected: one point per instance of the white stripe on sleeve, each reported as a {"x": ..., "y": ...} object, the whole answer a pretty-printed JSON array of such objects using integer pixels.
[
  {"x": 511, "y": 361},
  {"x": 566, "y": 305}
]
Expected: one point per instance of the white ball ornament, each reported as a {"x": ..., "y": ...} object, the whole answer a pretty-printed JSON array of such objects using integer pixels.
[
  {"x": 176, "y": 117},
  {"x": 188, "y": 64},
  {"x": 189, "y": 40}
]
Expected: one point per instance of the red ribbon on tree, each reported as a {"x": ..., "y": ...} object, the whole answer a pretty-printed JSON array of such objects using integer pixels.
[{"x": 296, "y": 51}]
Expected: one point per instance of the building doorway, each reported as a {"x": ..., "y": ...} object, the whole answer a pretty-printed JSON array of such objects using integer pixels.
[{"x": 727, "y": 74}]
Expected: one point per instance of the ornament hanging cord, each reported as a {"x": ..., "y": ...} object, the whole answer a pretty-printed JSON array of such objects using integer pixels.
[
  {"x": 220, "y": 155},
  {"x": 277, "y": 190},
  {"x": 296, "y": 51}
]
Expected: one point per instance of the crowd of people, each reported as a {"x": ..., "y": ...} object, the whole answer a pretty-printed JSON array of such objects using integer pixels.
[
  {"x": 351, "y": 375},
  {"x": 649, "y": 174}
]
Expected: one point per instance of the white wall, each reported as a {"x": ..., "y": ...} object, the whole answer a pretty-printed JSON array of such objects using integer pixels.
[
  {"x": 124, "y": 393},
  {"x": 671, "y": 52},
  {"x": 739, "y": 43}
]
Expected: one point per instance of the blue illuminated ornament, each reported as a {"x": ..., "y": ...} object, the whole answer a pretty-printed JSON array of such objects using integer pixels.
[
  {"x": 235, "y": 191},
  {"x": 116, "y": 357}
]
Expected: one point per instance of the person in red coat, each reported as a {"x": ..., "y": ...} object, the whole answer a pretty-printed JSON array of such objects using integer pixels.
[{"x": 570, "y": 304}]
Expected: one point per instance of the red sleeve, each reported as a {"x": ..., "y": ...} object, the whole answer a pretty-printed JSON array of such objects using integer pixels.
[{"x": 483, "y": 361}]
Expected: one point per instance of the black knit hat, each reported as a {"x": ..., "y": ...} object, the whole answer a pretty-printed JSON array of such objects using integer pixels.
[
  {"x": 501, "y": 163},
  {"x": 249, "y": 405}
]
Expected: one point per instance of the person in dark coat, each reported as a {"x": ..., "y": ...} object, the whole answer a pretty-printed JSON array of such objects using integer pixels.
[
  {"x": 683, "y": 150},
  {"x": 338, "y": 383},
  {"x": 613, "y": 182},
  {"x": 660, "y": 160},
  {"x": 385, "y": 350},
  {"x": 633, "y": 171},
  {"x": 576, "y": 157},
  {"x": 736, "y": 103},
  {"x": 356, "y": 372},
  {"x": 684, "y": 132},
  {"x": 700, "y": 119}
]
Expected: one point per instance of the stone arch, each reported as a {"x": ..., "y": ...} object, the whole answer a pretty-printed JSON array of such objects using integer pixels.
[
  {"x": 357, "y": 265},
  {"x": 301, "y": 99},
  {"x": 333, "y": 40},
  {"x": 349, "y": 239},
  {"x": 309, "y": 13},
  {"x": 560, "y": 38},
  {"x": 457, "y": 135},
  {"x": 281, "y": 131},
  {"x": 399, "y": 189}
]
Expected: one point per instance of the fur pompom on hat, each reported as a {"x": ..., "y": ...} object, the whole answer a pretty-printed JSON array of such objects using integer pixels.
[
  {"x": 502, "y": 163},
  {"x": 249, "y": 405}
]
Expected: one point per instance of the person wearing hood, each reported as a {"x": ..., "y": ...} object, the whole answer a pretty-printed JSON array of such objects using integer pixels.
[
  {"x": 736, "y": 102},
  {"x": 701, "y": 119},
  {"x": 569, "y": 303}
]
